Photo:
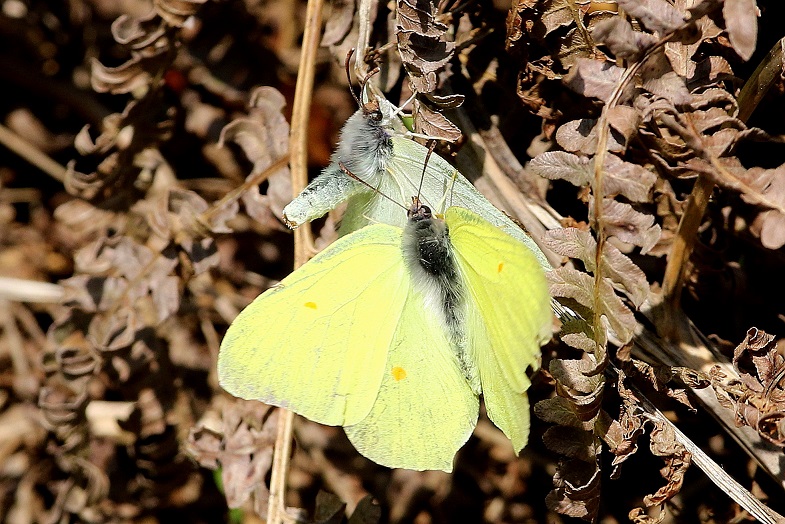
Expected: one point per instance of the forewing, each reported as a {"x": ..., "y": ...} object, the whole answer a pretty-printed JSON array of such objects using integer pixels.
[
  {"x": 443, "y": 183},
  {"x": 509, "y": 316},
  {"x": 318, "y": 342},
  {"x": 425, "y": 410}
]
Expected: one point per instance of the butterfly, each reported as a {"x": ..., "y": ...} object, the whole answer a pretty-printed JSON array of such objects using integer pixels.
[
  {"x": 395, "y": 332},
  {"x": 375, "y": 147}
]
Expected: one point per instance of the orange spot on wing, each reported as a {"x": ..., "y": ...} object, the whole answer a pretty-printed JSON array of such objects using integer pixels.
[
  {"x": 310, "y": 305},
  {"x": 398, "y": 373},
  {"x": 501, "y": 266}
]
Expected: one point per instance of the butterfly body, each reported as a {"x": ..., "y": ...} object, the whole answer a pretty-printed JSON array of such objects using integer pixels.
[
  {"x": 375, "y": 148},
  {"x": 394, "y": 332}
]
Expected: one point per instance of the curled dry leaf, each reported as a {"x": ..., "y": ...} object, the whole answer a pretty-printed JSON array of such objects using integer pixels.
[
  {"x": 422, "y": 43},
  {"x": 176, "y": 12},
  {"x": 656, "y": 15},
  {"x": 264, "y": 138},
  {"x": 663, "y": 444},
  {"x": 242, "y": 448},
  {"x": 425, "y": 51},
  {"x": 139, "y": 33},
  {"x": 135, "y": 75},
  {"x": 621, "y": 39},
  {"x": 576, "y": 490},
  {"x": 631, "y": 424},
  {"x": 758, "y": 398}
]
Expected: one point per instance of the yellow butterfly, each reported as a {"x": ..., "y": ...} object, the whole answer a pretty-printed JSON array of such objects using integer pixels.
[{"x": 393, "y": 333}]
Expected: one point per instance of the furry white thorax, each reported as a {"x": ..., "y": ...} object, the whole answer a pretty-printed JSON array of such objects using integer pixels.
[{"x": 365, "y": 144}]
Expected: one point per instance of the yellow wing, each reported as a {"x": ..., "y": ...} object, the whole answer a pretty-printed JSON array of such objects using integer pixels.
[
  {"x": 425, "y": 410},
  {"x": 318, "y": 342},
  {"x": 345, "y": 340},
  {"x": 509, "y": 316}
]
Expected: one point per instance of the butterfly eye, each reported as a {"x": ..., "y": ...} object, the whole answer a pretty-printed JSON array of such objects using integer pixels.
[{"x": 375, "y": 115}]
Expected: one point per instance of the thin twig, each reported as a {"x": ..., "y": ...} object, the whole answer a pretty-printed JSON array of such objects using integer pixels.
[
  {"x": 303, "y": 237},
  {"x": 20, "y": 290},
  {"x": 32, "y": 154}
]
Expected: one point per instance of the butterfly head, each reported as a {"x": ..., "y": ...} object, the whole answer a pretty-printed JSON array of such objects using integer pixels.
[{"x": 418, "y": 211}]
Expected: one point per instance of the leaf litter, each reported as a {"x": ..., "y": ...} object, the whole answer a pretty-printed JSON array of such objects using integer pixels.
[{"x": 110, "y": 394}]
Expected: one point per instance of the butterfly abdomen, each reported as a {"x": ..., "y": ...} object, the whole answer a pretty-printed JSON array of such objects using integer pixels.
[{"x": 429, "y": 259}]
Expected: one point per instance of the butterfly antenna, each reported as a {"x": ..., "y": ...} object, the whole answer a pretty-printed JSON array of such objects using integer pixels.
[
  {"x": 431, "y": 147},
  {"x": 349, "y": 76},
  {"x": 366, "y": 184}
]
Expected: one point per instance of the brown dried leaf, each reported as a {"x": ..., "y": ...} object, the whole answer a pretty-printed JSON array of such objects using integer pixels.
[
  {"x": 576, "y": 490},
  {"x": 760, "y": 348},
  {"x": 433, "y": 124},
  {"x": 419, "y": 17},
  {"x": 677, "y": 460},
  {"x": 519, "y": 10},
  {"x": 572, "y": 442},
  {"x": 681, "y": 54},
  {"x": 670, "y": 86},
  {"x": 133, "y": 75},
  {"x": 771, "y": 426},
  {"x": 574, "y": 374},
  {"x": 339, "y": 22},
  {"x": 769, "y": 225},
  {"x": 574, "y": 243},
  {"x": 566, "y": 282},
  {"x": 422, "y": 43},
  {"x": 625, "y": 120},
  {"x": 264, "y": 138},
  {"x": 621, "y": 39},
  {"x": 656, "y": 15},
  {"x": 758, "y": 398},
  {"x": 176, "y": 12},
  {"x": 560, "y": 165},
  {"x": 629, "y": 180},
  {"x": 559, "y": 13},
  {"x": 138, "y": 33},
  {"x": 243, "y": 448},
  {"x": 595, "y": 78},
  {"x": 631, "y": 425},
  {"x": 579, "y": 341},
  {"x": 580, "y": 136},
  {"x": 628, "y": 225},
  {"x": 558, "y": 410},
  {"x": 741, "y": 22}
]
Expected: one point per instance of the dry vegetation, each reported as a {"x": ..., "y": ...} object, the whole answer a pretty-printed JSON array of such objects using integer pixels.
[{"x": 142, "y": 180}]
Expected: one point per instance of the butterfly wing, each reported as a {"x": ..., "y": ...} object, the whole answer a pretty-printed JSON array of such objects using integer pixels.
[
  {"x": 442, "y": 179},
  {"x": 425, "y": 410},
  {"x": 318, "y": 342},
  {"x": 345, "y": 340},
  {"x": 509, "y": 316}
]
